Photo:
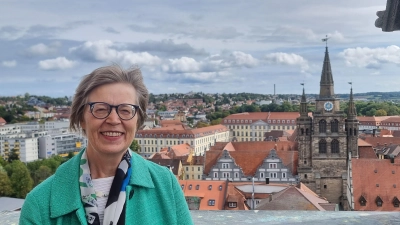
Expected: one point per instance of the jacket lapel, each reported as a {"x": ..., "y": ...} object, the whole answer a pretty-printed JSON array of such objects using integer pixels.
[
  {"x": 140, "y": 172},
  {"x": 65, "y": 192}
]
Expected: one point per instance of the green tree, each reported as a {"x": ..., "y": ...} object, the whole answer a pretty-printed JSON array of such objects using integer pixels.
[
  {"x": 21, "y": 181},
  {"x": 53, "y": 163},
  {"x": 5, "y": 184},
  {"x": 41, "y": 174},
  {"x": 216, "y": 122},
  {"x": 135, "y": 146},
  {"x": 13, "y": 155},
  {"x": 380, "y": 112}
]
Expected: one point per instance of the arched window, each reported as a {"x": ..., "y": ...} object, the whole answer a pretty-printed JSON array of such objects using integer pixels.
[
  {"x": 307, "y": 131},
  {"x": 334, "y": 126},
  {"x": 322, "y": 146},
  {"x": 302, "y": 131},
  {"x": 355, "y": 132},
  {"x": 322, "y": 126},
  {"x": 335, "y": 146}
]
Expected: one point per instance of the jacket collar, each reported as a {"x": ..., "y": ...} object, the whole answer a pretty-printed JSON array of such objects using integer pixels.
[{"x": 65, "y": 195}]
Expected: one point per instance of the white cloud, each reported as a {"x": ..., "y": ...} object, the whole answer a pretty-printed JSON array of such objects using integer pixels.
[
  {"x": 243, "y": 59},
  {"x": 11, "y": 63},
  {"x": 107, "y": 51},
  {"x": 42, "y": 49},
  {"x": 182, "y": 65},
  {"x": 371, "y": 57},
  {"x": 59, "y": 63},
  {"x": 290, "y": 59}
]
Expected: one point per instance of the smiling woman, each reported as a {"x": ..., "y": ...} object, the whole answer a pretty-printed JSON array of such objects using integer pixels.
[{"x": 106, "y": 183}]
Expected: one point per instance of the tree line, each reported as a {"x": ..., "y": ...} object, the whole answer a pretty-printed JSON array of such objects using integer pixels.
[{"x": 17, "y": 178}]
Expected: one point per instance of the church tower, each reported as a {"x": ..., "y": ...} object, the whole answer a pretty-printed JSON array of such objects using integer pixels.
[
  {"x": 304, "y": 129},
  {"x": 325, "y": 172},
  {"x": 352, "y": 127}
]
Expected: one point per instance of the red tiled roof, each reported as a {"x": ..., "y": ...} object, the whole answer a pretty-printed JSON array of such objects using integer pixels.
[
  {"x": 373, "y": 178},
  {"x": 235, "y": 195},
  {"x": 2, "y": 120},
  {"x": 375, "y": 141},
  {"x": 205, "y": 194},
  {"x": 250, "y": 155},
  {"x": 366, "y": 152},
  {"x": 293, "y": 198},
  {"x": 392, "y": 119},
  {"x": 254, "y": 116}
]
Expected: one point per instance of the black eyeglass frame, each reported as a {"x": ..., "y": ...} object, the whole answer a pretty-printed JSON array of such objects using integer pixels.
[{"x": 91, "y": 107}]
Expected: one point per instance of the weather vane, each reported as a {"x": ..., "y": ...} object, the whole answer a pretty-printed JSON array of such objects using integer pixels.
[
  {"x": 325, "y": 40},
  {"x": 351, "y": 84}
]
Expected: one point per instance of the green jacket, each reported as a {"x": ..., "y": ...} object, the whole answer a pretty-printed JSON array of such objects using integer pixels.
[{"x": 153, "y": 197}]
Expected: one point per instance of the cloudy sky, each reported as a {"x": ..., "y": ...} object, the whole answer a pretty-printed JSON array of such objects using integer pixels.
[{"x": 224, "y": 46}]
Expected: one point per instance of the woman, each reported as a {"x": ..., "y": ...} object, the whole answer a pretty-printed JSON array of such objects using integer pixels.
[{"x": 107, "y": 183}]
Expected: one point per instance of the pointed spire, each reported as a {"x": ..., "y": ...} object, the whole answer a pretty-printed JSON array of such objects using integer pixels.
[
  {"x": 303, "y": 105},
  {"x": 351, "y": 111},
  {"x": 326, "y": 84}
]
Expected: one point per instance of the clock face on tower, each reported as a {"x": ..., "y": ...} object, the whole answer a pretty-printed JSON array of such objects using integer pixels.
[{"x": 328, "y": 106}]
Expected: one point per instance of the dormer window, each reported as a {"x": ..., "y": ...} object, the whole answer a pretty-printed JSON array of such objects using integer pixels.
[
  {"x": 197, "y": 187},
  {"x": 362, "y": 201},
  {"x": 190, "y": 187},
  {"x": 220, "y": 187},
  {"x": 209, "y": 187},
  {"x": 232, "y": 204},
  {"x": 211, "y": 202},
  {"x": 378, "y": 201},
  {"x": 396, "y": 202},
  {"x": 182, "y": 186}
]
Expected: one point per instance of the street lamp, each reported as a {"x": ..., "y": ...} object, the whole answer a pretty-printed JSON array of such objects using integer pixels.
[{"x": 252, "y": 194}]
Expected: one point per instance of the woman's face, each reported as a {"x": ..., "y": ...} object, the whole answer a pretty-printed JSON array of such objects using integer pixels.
[{"x": 111, "y": 135}]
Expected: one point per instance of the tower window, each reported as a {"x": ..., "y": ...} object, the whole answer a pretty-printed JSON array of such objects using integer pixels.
[
  {"x": 322, "y": 126},
  {"x": 322, "y": 146},
  {"x": 334, "y": 126},
  {"x": 335, "y": 146}
]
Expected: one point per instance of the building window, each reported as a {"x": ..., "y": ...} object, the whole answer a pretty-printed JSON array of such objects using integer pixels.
[
  {"x": 198, "y": 168},
  {"x": 362, "y": 201},
  {"x": 261, "y": 175},
  {"x": 225, "y": 165},
  {"x": 215, "y": 175},
  {"x": 211, "y": 202},
  {"x": 322, "y": 146},
  {"x": 322, "y": 126},
  {"x": 220, "y": 187},
  {"x": 197, "y": 187},
  {"x": 236, "y": 175},
  {"x": 190, "y": 187},
  {"x": 396, "y": 202},
  {"x": 182, "y": 186},
  {"x": 334, "y": 126},
  {"x": 232, "y": 204},
  {"x": 209, "y": 187},
  {"x": 272, "y": 166},
  {"x": 335, "y": 146},
  {"x": 283, "y": 175},
  {"x": 378, "y": 201},
  {"x": 187, "y": 176},
  {"x": 273, "y": 175},
  {"x": 187, "y": 168}
]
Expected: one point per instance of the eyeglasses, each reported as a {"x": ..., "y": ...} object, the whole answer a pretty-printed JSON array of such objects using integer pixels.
[{"x": 101, "y": 110}]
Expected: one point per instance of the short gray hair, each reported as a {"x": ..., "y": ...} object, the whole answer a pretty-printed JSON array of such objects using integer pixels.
[{"x": 108, "y": 75}]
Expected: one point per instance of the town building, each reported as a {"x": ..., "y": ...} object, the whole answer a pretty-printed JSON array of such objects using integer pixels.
[
  {"x": 259, "y": 160},
  {"x": 200, "y": 139},
  {"x": 251, "y": 126},
  {"x": 325, "y": 141}
]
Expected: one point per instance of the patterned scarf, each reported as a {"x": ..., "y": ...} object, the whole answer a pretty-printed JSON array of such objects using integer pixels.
[{"x": 115, "y": 207}]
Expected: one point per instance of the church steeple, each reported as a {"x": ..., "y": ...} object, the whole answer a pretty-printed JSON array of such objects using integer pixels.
[
  {"x": 326, "y": 84},
  {"x": 351, "y": 111},
  {"x": 303, "y": 105}
]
